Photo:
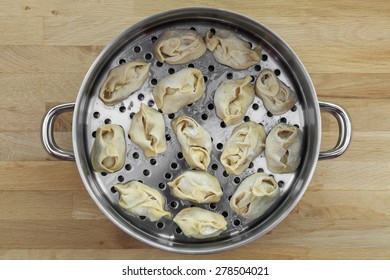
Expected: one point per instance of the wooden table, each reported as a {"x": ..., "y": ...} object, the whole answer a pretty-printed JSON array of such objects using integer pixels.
[{"x": 46, "y": 48}]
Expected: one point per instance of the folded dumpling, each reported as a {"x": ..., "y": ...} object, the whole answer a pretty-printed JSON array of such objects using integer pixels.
[
  {"x": 283, "y": 148},
  {"x": 147, "y": 130},
  {"x": 233, "y": 98},
  {"x": 109, "y": 149},
  {"x": 179, "y": 46},
  {"x": 200, "y": 223},
  {"x": 175, "y": 91},
  {"x": 141, "y": 200},
  {"x": 244, "y": 145},
  {"x": 254, "y": 196},
  {"x": 196, "y": 186},
  {"x": 195, "y": 141},
  {"x": 230, "y": 50},
  {"x": 123, "y": 80},
  {"x": 276, "y": 96}
]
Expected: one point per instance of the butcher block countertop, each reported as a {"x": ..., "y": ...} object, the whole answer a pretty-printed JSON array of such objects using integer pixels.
[{"x": 46, "y": 48}]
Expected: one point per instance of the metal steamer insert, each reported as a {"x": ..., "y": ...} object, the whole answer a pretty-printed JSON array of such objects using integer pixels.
[{"x": 159, "y": 170}]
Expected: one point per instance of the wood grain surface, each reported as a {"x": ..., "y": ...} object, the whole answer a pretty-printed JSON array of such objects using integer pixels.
[{"x": 46, "y": 48}]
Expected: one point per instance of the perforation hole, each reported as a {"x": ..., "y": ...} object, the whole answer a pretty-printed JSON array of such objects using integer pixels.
[
  {"x": 223, "y": 124},
  {"x": 229, "y": 76},
  {"x": 113, "y": 190},
  {"x": 237, "y": 180},
  {"x": 247, "y": 119},
  {"x": 128, "y": 167},
  {"x": 153, "y": 161},
  {"x": 264, "y": 57},
  {"x": 205, "y": 79},
  {"x": 104, "y": 173},
  {"x": 255, "y": 106},
  {"x": 210, "y": 106},
  {"x": 150, "y": 103},
  {"x": 260, "y": 170},
  {"x": 211, "y": 68},
  {"x": 174, "y": 165},
  {"x": 159, "y": 64},
  {"x": 189, "y": 105},
  {"x": 178, "y": 230},
  {"x": 277, "y": 72},
  {"x": 137, "y": 49},
  {"x": 122, "y": 61},
  {"x": 237, "y": 222},
  {"x": 191, "y": 65},
  {"x": 225, "y": 174},
  {"x": 219, "y": 146},
  {"x": 257, "y": 67},
  {"x": 141, "y": 181},
  {"x": 96, "y": 115},
  {"x": 193, "y": 28},
  {"x": 229, "y": 197},
  {"x": 168, "y": 175},
  {"x": 213, "y": 206},
  {"x": 281, "y": 184},
  {"x": 167, "y": 137},
  {"x": 121, "y": 178},
  {"x": 142, "y": 218},
  {"x": 251, "y": 165},
  {"x": 173, "y": 204},
  {"x": 122, "y": 109},
  {"x": 161, "y": 186},
  {"x": 107, "y": 121},
  {"x": 179, "y": 155},
  {"x": 297, "y": 126},
  {"x": 214, "y": 166},
  {"x": 146, "y": 172},
  {"x": 141, "y": 97},
  {"x": 283, "y": 120},
  {"x": 153, "y": 82},
  {"x": 160, "y": 225},
  {"x": 132, "y": 115},
  {"x": 252, "y": 78},
  {"x": 212, "y": 30},
  {"x": 269, "y": 114},
  {"x": 94, "y": 134},
  {"x": 171, "y": 70},
  {"x": 135, "y": 155},
  {"x": 225, "y": 214},
  {"x": 204, "y": 117},
  {"x": 148, "y": 56},
  {"x": 154, "y": 39},
  {"x": 294, "y": 108},
  {"x": 171, "y": 116}
]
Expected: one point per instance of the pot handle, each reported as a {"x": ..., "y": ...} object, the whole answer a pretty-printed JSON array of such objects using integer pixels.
[
  {"x": 48, "y": 131},
  {"x": 345, "y": 130}
]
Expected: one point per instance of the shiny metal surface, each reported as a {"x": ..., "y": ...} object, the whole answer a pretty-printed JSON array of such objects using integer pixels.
[
  {"x": 136, "y": 42},
  {"x": 345, "y": 130}
]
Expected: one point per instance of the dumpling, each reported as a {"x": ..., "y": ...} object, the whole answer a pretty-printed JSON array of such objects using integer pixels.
[
  {"x": 254, "y": 196},
  {"x": 276, "y": 96},
  {"x": 141, "y": 200},
  {"x": 147, "y": 130},
  {"x": 123, "y": 80},
  {"x": 200, "y": 223},
  {"x": 194, "y": 140},
  {"x": 244, "y": 145},
  {"x": 175, "y": 91},
  {"x": 196, "y": 186},
  {"x": 230, "y": 50},
  {"x": 283, "y": 148},
  {"x": 179, "y": 46},
  {"x": 109, "y": 149},
  {"x": 233, "y": 98}
]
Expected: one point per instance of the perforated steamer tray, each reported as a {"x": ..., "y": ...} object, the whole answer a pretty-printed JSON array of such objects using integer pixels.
[{"x": 136, "y": 43}]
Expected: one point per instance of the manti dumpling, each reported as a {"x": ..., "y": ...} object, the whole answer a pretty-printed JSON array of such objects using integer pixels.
[
  {"x": 194, "y": 140},
  {"x": 175, "y": 91},
  {"x": 233, "y": 98},
  {"x": 147, "y": 130},
  {"x": 276, "y": 96},
  {"x": 244, "y": 145},
  {"x": 179, "y": 46},
  {"x": 254, "y": 196},
  {"x": 200, "y": 223},
  {"x": 230, "y": 50},
  {"x": 139, "y": 199},
  {"x": 283, "y": 148},
  {"x": 109, "y": 149},
  {"x": 123, "y": 80},
  {"x": 196, "y": 186}
]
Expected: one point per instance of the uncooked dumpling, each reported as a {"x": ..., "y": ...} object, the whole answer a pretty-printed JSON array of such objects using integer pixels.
[
  {"x": 230, "y": 50},
  {"x": 233, "y": 98},
  {"x": 147, "y": 130},
  {"x": 179, "y": 46},
  {"x": 254, "y": 196},
  {"x": 141, "y": 200},
  {"x": 276, "y": 96},
  {"x": 175, "y": 91},
  {"x": 244, "y": 145},
  {"x": 194, "y": 140},
  {"x": 109, "y": 149},
  {"x": 283, "y": 148},
  {"x": 123, "y": 80},
  {"x": 200, "y": 223},
  {"x": 196, "y": 186}
]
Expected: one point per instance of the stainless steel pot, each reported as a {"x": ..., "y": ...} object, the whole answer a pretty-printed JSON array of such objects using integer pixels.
[{"x": 136, "y": 42}]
